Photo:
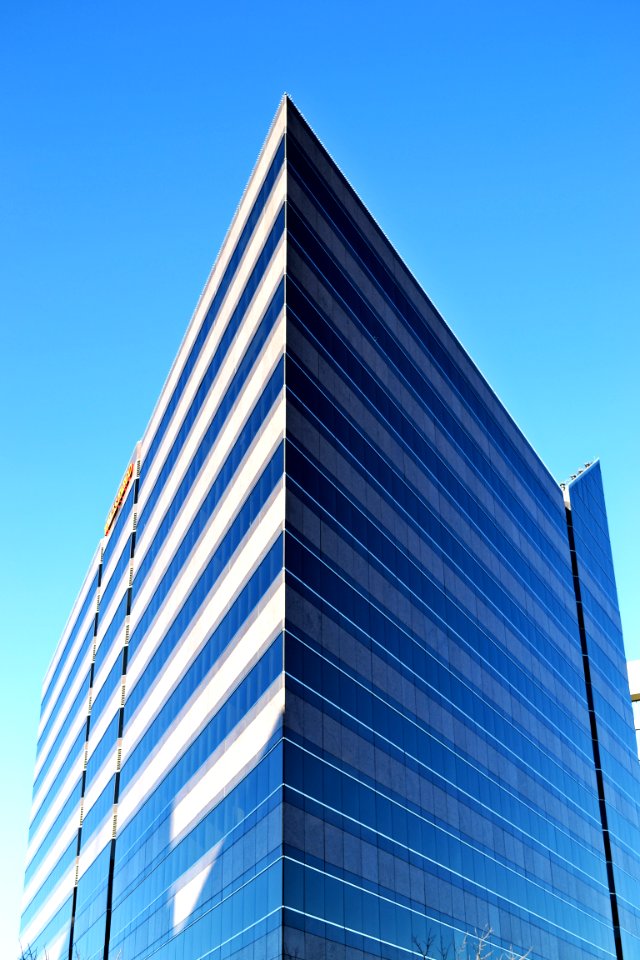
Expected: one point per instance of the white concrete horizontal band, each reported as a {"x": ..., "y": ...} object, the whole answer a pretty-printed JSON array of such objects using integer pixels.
[
  {"x": 221, "y": 680},
  {"x": 223, "y": 592},
  {"x": 232, "y": 426},
  {"x": 77, "y": 606},
  {"x": 63, "y": 719},
  {"x": 61, "y": 892},
  {"x": 108, "y": 713},
  {"x": 115, "y": 653},
  {"x": 61, "y": 682},
  {"x": 235, "y": 759},
  {"x": 62, "y": 754},
  {"x": 100, "y": 781},
  {"x": 215, "y": 335},
  {"x": 67, "y": 833},
  {"x": 125, "y": 533},
  {"x": 230, "y": 433},
  {"x": 225, "y": 515},
  {"x": 92, "y": 850},
  {"x": 216, "y": 274},
  {"x": 56, "y": 806}
]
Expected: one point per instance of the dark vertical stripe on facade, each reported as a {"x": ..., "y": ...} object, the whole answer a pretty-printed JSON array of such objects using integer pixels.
[
  {"x": 615, "y": 916},
  {"x": 84, "y": 772},
  {"x": 116, "y": 786}
]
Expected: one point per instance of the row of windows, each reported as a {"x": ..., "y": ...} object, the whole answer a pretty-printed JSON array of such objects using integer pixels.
[
  {"x": 79, "y": 706},
  {"x": 237, "y": 857},
  {"x": 253, "y": 592},
  {"x": 247, "y": 435},
  {"x": 207, "y": 323},
  {"x": 465, "y": 629},
  {"x": 110, "y": 634},
  {"x": 71, "y": 804},
  {"x": 323, "y": 264},
  {"x": 112, "y": 682},
  {"x": 375, "y": 715},
  {"x": 123, "y": 515},
  {"x": 91, "y": 908},
  {"x": 252, "y": 351},
  {"x": 55, "y": 928},
  {"x": 209, "y": 439},
  {"x": 62, "y": 865},
  {"x": 103, "y": 749},
  {"x": 226, "y": 629},
  {"x": 544, "y": 885},
  {"x": 71, "y": 758},
  {"x": 318, "y": 192},
  {"x": 142, "y": 845},
  {"x": 98, "y": 812},
  {"x": 247, "y": 918},
  {"x": 88, "y": 601},
  {"x": 116, "y": 576},
  {"x": 334, "y": 425},
  {"x": 463, "y": 779},
  {"x": 383, "y": 555},
  {"x": 247, "y": 693},
  {"x": 357, "y": 526},
  {"x": 375, "y": 396},
  {"x": 616, "y": 747}
]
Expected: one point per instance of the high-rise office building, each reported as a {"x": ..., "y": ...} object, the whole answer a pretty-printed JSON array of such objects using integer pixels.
[
  {"x": 633, "y": 670},
  {"x": 346, "y": 671}
]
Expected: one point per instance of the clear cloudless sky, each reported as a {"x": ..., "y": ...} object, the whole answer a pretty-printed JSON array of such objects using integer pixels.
[{"x": 498, "y": 145}]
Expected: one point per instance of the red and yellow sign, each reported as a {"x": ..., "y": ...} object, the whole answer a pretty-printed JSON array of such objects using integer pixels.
[{"x": 124, "y": 486}]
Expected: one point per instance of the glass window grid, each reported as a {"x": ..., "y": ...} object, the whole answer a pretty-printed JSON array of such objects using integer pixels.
[
  {"x": 82, "y": 653},
  {"x": 116, "y": 576},
  {"x": 488, "y": 649},
  {"x": 238, "y": 703},
  {"x": 307, "y": 396},
  {"x": 48, "y": 885},
  {"x": 352, "y": 521},
  {"x": 98, "y": 813},
  {"x": 142, "y": 846},
  {"x": 72, "y": 756},
  {"x": 246, "y": 297},
  {"x": 460, "y": 775},
  {"x": 254, "y": 424},
  {"x": 147, "y": 617},
  {"x": 324, "y": 266},
  {"x": 338, "y": 354},
  {"x": 71, "y": 804},
  {"x": 348, "y": 519},
  {"x": 238, "y": 919},
  {"x": 106, "y": 644},
  {"x": 104, "y": 749},
  {"x": 322, "y": 197},
  {"x": 112, "y": 683},
  {"x": 431, "y": 750},
  {"x": 55, "y": 927},
  {"x": 79, "y": 706},
  {"x": 216, "y": 303},
  {"x": 88, "y": 600},
  {"x": 124, "y": 515},
  {"x": 248, "y": 597},
  {"x": 434, "y": 848}
]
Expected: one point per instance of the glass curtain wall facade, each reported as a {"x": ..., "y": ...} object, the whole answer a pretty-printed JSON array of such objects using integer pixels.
[
  {"x": 633, "y": 670},
  {"x": 346, "y": 672}
]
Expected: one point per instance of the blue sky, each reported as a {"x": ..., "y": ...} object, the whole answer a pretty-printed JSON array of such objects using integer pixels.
[{"x": 497, "y": 144}]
